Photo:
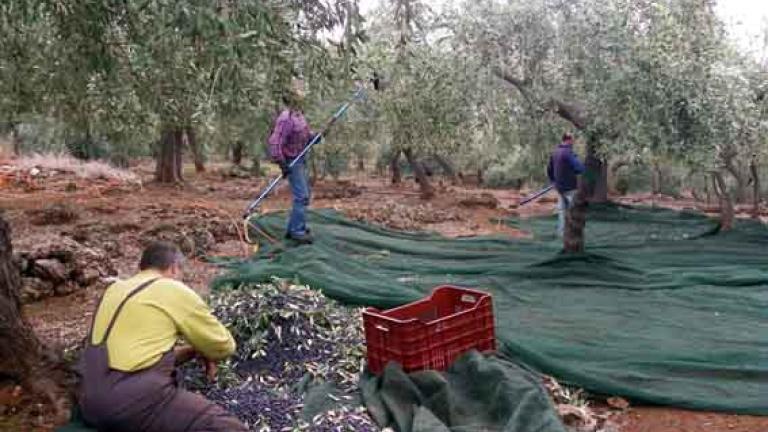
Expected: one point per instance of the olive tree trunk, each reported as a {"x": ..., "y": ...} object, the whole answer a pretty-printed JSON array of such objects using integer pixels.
[
  {"x": 597, "y": 171},
  {"x": 726, "y": 201},
  {"x": 256, "y": 165},
  {"x": 427, "y": 191},
  {"x": 576, "y": 221},
  {"x": 593, "y": 188},
  {"x": 394, "y": 165},
  {"x": 447, "y": 168},
  {"x": 23, "y": 358},
  {"x": 197, "y": 151},
  {"x": 741, "y": 182},
  {"x": 238, "y": 148},
  {"x": 314, "y": 173},
  {"x": 169, "y": 157},
  {"x": 755, "y": 187},
  {"x": 655, "y": 179},
  {"x": 16, "y": 138}
]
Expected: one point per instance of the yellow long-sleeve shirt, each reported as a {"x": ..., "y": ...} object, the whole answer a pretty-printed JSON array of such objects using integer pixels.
[{"x": 152, "y": 320}]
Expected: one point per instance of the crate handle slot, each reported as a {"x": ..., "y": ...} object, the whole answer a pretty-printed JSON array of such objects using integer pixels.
[
  {"x": 382, "y": 328},
  {"x": 468, "y": 298}
]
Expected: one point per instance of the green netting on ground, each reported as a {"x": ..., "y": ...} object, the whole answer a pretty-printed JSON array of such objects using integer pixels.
[{"x": 662, "y": 309}]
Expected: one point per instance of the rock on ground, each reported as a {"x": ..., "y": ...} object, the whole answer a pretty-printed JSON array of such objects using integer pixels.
[
  {"x": 57, "y": 214},
  {"x": 60, "y": 266}
]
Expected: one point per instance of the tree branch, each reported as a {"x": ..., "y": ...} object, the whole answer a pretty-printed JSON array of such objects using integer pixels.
[{"x": 569, "y": 111}]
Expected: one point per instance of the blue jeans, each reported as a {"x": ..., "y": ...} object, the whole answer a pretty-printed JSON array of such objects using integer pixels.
[
  {"x": 297, "y": 221},
  {"x": 563, "y": 204}
]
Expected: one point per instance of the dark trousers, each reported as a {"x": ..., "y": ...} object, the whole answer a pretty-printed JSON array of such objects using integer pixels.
[{"x": 145, "y": 401}]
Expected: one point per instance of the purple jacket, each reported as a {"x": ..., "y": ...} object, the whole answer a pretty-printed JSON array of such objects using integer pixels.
[
  {"x": 563, "y": 168},
  {"x": 289, "y": 136}
]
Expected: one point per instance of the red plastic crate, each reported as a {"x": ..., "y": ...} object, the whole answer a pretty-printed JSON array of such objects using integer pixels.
[{"x": 430, "y": 333}]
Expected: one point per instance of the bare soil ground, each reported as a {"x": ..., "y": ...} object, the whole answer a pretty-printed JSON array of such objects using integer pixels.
[{"x": 120, "y": 217}]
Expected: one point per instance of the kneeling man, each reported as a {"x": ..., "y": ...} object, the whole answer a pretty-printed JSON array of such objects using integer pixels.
[{"x": 128, "y": 380}]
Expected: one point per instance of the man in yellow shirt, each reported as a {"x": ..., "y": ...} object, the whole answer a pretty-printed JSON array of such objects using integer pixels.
[{"x": 127, "y": 370}]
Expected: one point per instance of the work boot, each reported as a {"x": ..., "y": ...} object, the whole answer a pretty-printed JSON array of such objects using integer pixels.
[
  {"x": 288, "y": 235},
  {"x": 301, "y": 238}
]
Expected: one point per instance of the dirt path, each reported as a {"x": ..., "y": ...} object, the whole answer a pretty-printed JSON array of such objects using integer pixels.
[
  {"x": 121, "y": 216},
  {"x": 645, "y": 419}
]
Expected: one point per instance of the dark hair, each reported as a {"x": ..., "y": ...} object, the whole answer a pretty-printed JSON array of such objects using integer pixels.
[
  {"x": 567, "y": 137},
  {"x": 291, "y": 100},
  {"x": 159, "y": 255}
]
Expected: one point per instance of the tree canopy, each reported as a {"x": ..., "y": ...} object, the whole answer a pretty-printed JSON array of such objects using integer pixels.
[{"x": 486, "y": 85}]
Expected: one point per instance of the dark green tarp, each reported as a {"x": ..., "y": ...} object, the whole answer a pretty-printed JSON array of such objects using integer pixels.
[
  {"x": 662, "y": 309},
  {"x": 476, "y": 393}
]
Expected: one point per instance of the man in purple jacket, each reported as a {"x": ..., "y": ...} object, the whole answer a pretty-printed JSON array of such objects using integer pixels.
[
  {"x": 290, "y": 135},
  {"x": 563, "y": 168}
]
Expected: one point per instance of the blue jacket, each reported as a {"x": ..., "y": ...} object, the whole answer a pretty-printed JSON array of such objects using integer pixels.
[{"x": 563, "y": 168}]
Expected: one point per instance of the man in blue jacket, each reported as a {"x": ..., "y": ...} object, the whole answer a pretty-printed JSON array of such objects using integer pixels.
[{"x": 563, "y": 168}]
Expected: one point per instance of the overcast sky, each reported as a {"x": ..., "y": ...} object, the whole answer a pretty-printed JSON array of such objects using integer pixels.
[{"x": 745, "y": 18}]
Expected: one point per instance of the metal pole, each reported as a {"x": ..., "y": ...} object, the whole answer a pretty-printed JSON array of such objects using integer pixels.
[{"x": 537, "y": 195}]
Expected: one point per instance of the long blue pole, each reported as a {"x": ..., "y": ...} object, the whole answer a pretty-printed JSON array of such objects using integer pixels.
[{"x": 273, "y": 184}]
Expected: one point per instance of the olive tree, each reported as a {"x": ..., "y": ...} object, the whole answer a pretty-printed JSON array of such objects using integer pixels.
[
  {"x": 177, "y": 67},
  {"x": 634, "y": 78},
  {"x": 425, "y": 106}
]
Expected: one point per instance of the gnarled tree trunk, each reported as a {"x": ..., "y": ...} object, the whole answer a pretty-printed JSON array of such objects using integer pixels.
[
  {"x": 755, "y": 187},
  {"x": 427, "y": 191},
  {"x": 613, "y": 177},
  {"x": 394, "y": 166},
  {"x": 726, "y": 202},
  {"x": 16, "y": 138},
  {"x": 195, "y": 148},
  {"x": 314, "y": 173},
  {"x": 169, "y": 157},
  {"x": 238, "y": 148},
  {"x": 741, "y": 182},
  {"x": 593, "y": 188},
  {"x": 576, "y": 221},
  {"x": 256, "y": 166},
  {"x": 23, "y": 359},
  {"x": 655, "y": 179},
  {"x": 448, "y": 168},
  {"x": 597, "y": 169}
]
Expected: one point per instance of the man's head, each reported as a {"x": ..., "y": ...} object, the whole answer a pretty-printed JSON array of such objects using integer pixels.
[
  {"x": 567, "y": 138},
  {"x": 293, "y": 100},
  {"x": 293, "y": 97},
  {"x": 163, "y": 257}
]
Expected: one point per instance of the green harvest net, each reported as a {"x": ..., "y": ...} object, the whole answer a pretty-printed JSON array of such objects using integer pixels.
[{"x": 662, "y": 309}]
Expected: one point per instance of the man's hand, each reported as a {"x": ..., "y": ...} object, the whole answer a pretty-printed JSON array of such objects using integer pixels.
[
  {"x": 211, "y": 369},
  {"x": 285, "y": 169},
  {"x": 184, "y": 354}
]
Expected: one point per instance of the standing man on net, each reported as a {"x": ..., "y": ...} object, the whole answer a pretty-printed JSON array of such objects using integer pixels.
[
  {"x": 290, "y": 135},
  {"x": 562, "y": 170},
  {"x": 128, "y": 378}
]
